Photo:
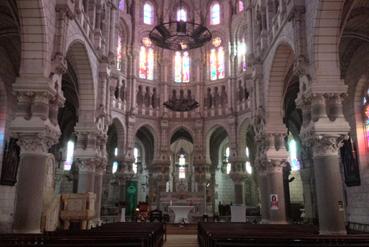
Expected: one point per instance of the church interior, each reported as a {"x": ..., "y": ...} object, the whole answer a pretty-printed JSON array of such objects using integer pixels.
[{"x": 124, "y": 121}]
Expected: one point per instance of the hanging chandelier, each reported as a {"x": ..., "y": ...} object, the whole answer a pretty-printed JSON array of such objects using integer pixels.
[{"x": 180, "y": 35}]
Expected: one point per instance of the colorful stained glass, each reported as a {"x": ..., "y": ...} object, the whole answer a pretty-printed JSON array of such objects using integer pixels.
[
  {"x": 220, "y": 65},
  {"x": 150, "y": 64},
  {"x": 181, "y": 15},
  {"x": 148, "y": 14},
  {"x": 181, "y": 67},
  {"x": 292, "y": 148},
  {"x": 146, "y": 68},
  {"x": 241, "y": 6},
  {"x": 178, "y": 67},
  {"x": 185, "y": 67},
  {"x": 142, "y": 67},
  {"x": 215, "y": 14},
  {"x": 119, "y": 53},
  {"x": 121, "y": 4},
  {"x": 213, "y": 64}
]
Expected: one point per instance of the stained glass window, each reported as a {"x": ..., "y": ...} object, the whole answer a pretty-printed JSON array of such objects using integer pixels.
[
  {"x": 181, "y": 15},
  {"x": 182, "y": 169},
  {"x": 217, "y": 62},
  {"x": 366, "y": 116},
  {"x": 148, "y": 13},
  {"x": 248, "y": 163},
  {"x": 135, "y": 155},
  {"x": 121, "y": 4},
  {"x": 182, "y": 67},
  {"x": 292, "y": 149},
  {"x": 241, "y": 6},
  {"x": 115, "y": 163},
  {"x": 119, "y": 53},
  {"x": 215, "y": 14},
  {"x": 226, "y": 158},
  {"x": 146, "y": 63},
  {"x": 69, "y": 160},
  {"x": 241, "y": 54}
]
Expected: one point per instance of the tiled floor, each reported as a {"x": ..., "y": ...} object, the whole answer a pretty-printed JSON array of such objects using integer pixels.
[{"x": 181, "y": 241}]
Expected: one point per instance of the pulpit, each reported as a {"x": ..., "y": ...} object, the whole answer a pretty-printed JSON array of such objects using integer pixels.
[
  {"x": 78, "y": 208},
  {"x": 181, "y": 213}
]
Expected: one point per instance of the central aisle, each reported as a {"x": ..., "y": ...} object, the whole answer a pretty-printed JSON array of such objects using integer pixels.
[{"x": 181, "y": 241}]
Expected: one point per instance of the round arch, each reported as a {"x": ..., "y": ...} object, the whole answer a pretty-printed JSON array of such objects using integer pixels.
[
  {"x": 33, "y": 34},
  {"x": 282, "y": 61},
  {"x": 78, "y": 58},
  {"x": 327, "y": 27}
]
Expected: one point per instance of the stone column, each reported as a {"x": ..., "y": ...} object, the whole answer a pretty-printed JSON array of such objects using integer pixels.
[
  {"x": 264, "y": 197},
  {"x": 100, "y": 170},
  {"x": 329, "y": 188},
  {"x": 307, "y": 186},
  {"x": 238, "y": 177},
  {"x": 36, "y": 133},
  {"x": 324, "y": 130},
  {"x": 86, "y": 175},
  {"x": 31, "y": 183},
  {"x": 277, "y": 212}
]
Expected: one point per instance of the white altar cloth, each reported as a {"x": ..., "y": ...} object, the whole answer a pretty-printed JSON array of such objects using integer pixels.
[
  {"x": 238, "y": 213},
  {"x": 181, "y": 213}
]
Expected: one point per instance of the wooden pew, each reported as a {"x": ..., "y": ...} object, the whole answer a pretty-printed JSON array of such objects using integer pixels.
[
  {"x": 120, "y": 234},
  {"x": 238, "y": 234}
]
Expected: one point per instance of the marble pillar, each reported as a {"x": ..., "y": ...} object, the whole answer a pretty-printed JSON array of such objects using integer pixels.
[
  {"x": 30, "y": 187},
  {"x": 238, "y": 179},
  {"x": 276, "y": 196},
  {"x": 264, "y": 197},
  {"x": 308, "y": 191},
  {"x": 86, "y": 175},
  {"x": 99, "y": 175},
  {"x": 329, "y": 188}
]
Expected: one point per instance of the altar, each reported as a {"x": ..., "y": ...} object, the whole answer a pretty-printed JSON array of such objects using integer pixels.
[
  {"x": 184, "y": 205},
  {"x": 181, "y": 213}
]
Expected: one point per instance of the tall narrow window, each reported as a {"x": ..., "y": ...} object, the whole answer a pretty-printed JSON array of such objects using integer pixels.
[
  {"x": 241, "y": 6},
  {"x": 217, "y": 66},
  {"x": 215, "y": 14},
  {"x": 292, "y": 148},
  {"x": 241, "y": 54},
  {"x": 248, "y": 163},
  {"x": 69, "y": 160},
  {"x": 146, "y": 64},
  {"x": 181, "y": 15},
  {"x": 135, "y": 155},
  {"x": 182, "y": 169},
  {"x": 119, "y": 53},
  {"x": 226, "y": 161},
  {"x": 115, "y": 163},
  {"x": 148, "y": 14},
  {"x": 366, "y": 116},
  {"x": 182, "y": 67},
  {"x": 121, "y": 4}
]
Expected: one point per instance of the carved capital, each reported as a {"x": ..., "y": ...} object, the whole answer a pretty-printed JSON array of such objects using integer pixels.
[
  {"x": 59, "y": 64},
  {"x": 101, "y": 166},
  {"x": 87, "y": 165},
  {"x": 37, "y": 142},
  {"x": 326, "y": 145},
  {"x": 276, "y": 166}
]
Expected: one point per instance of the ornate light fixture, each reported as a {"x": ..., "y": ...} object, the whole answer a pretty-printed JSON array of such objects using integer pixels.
[{"x": 180, "y": 35}]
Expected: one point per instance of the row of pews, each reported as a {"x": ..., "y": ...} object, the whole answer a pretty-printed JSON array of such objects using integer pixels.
[
  {"x": 115, "y": 234},
  {"x": 241, "y": 234}
]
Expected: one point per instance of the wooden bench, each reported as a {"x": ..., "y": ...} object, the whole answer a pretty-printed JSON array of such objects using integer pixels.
[
  {"x": 238, "y": 234},
  {"x": 116, "y": 234}
]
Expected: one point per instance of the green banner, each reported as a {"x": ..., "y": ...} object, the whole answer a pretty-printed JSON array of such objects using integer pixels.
[{"x": 131, "y": 197}]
